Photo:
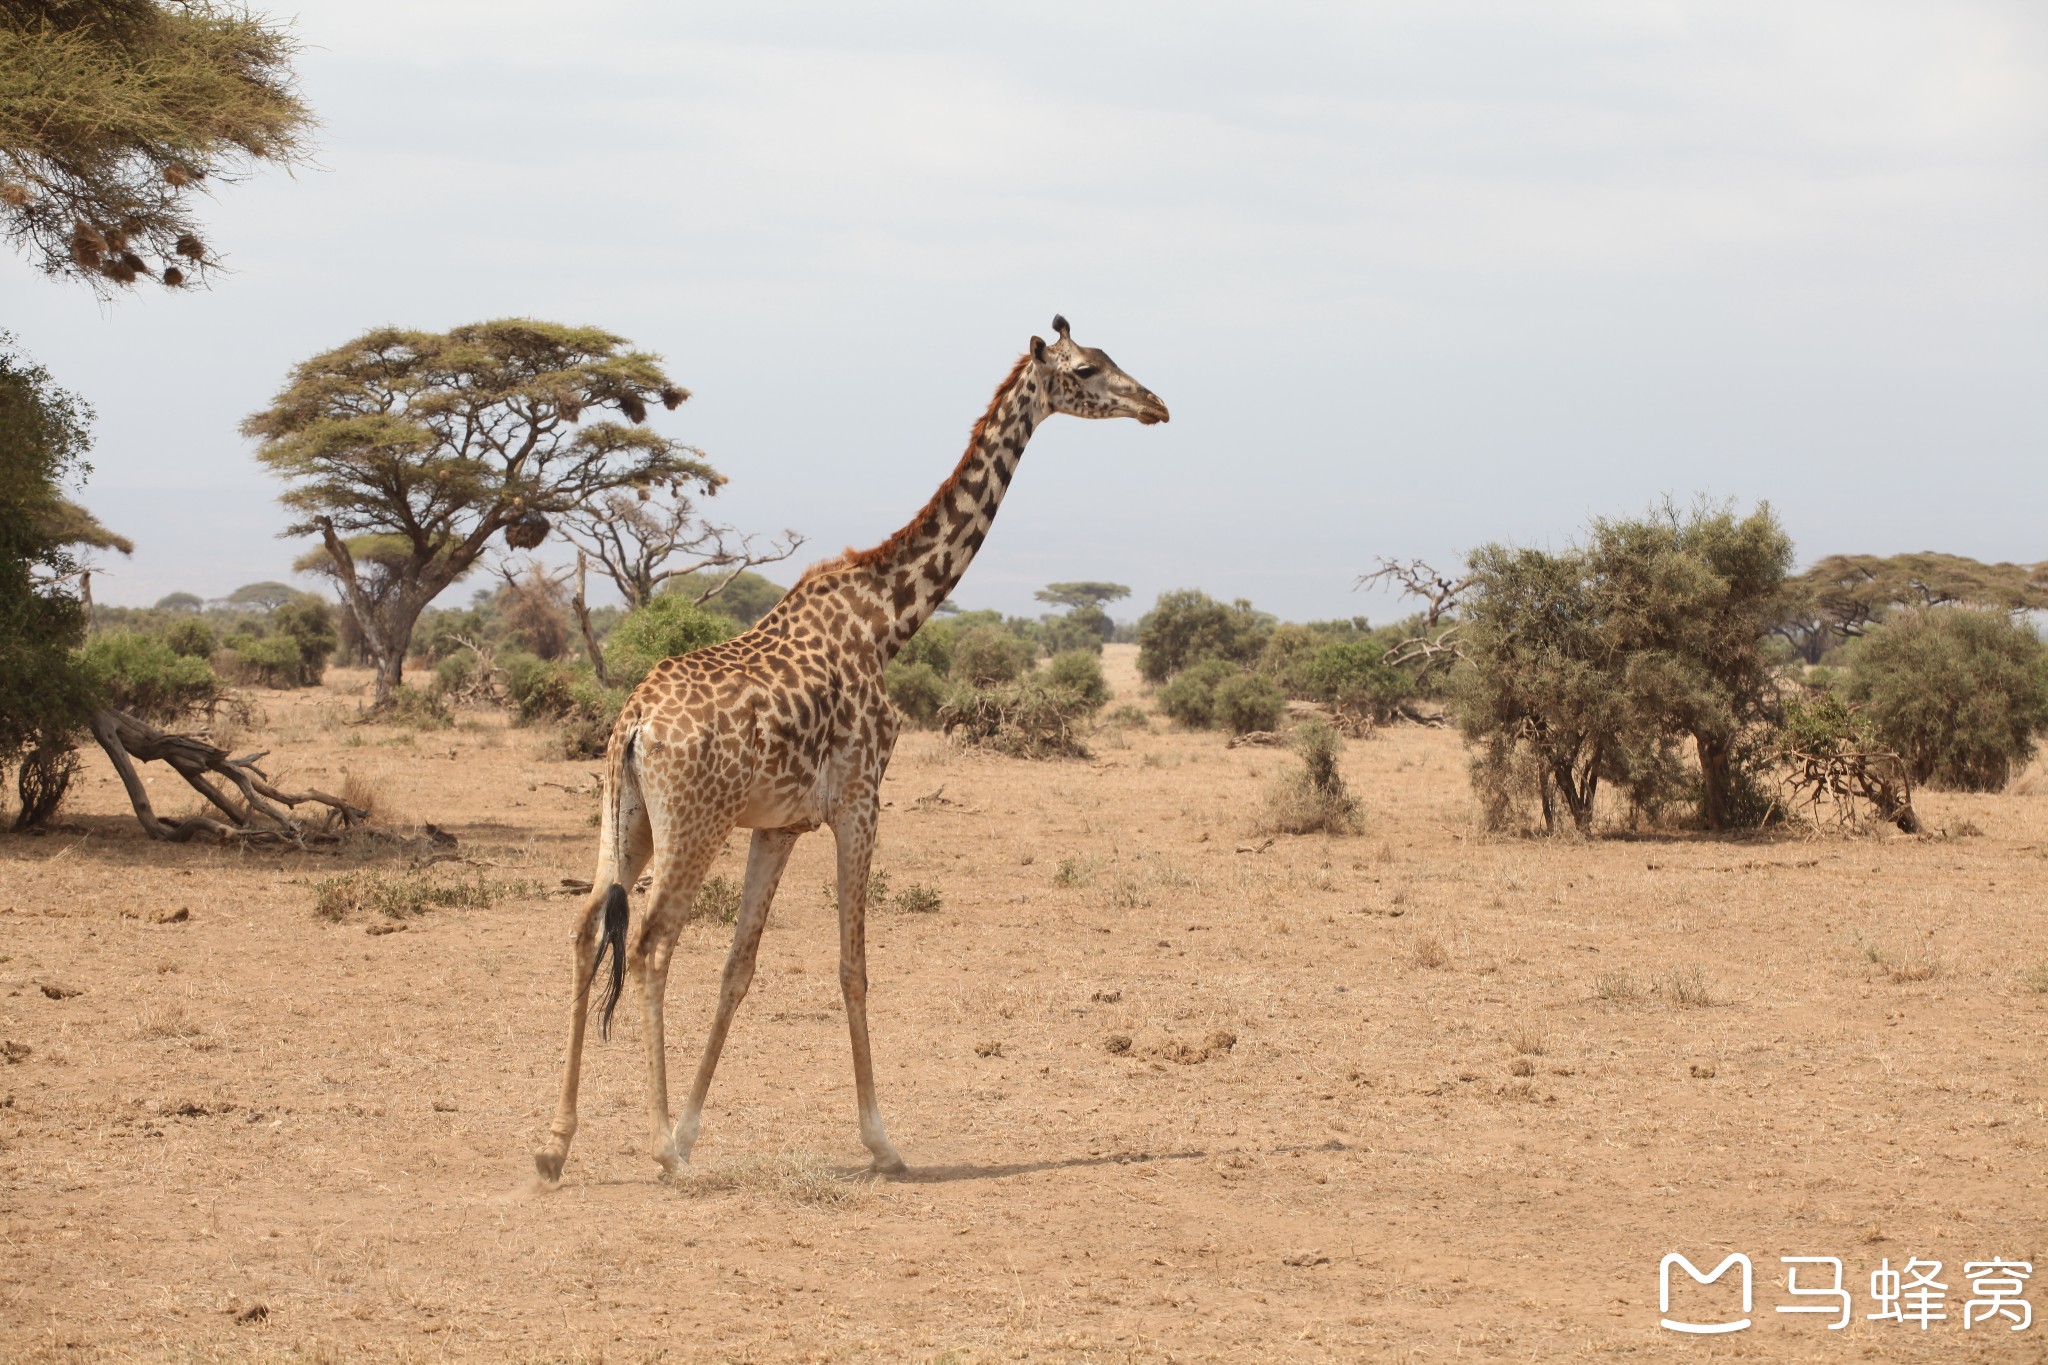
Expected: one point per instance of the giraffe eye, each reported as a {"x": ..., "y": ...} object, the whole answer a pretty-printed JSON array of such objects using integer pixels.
[{"x": 1083, "y": 371}]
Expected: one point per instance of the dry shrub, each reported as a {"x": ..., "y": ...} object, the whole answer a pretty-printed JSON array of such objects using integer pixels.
[
  {"x": 44, "y": 778},
  {"x": 1315, "y": 798},
  {"x": 1428, "y": 951},
  {"x": 2035, "y": 978},
  {"x": 1026, "y": 719}
]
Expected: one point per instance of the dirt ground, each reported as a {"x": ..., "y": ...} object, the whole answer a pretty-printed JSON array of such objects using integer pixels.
[{"x": 1478, "y": 1087}]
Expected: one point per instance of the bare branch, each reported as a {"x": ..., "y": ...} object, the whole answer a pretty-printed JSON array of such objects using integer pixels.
[{"x": 1415, "y": 578}]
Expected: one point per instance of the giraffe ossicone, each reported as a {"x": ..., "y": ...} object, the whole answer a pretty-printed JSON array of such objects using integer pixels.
[{"x": 784, "y": 729}]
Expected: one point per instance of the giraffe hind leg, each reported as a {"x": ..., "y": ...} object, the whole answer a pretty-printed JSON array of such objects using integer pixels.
[{"x": 587, "y": 941}]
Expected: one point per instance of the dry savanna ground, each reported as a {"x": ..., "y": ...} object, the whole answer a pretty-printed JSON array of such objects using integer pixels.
[{"x": 1168, "y": 1091}]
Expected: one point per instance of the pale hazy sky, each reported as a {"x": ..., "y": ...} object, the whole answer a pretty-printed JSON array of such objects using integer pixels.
[{"x": 1413, "y": 276}]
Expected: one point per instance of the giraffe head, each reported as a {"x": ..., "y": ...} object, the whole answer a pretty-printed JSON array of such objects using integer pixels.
[{"x": 1087, "y": 383}]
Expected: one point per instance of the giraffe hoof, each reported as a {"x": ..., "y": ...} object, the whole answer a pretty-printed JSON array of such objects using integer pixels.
[
  {"x": 549, "y": 1164},
  {"x": 888, "y": 1163}
]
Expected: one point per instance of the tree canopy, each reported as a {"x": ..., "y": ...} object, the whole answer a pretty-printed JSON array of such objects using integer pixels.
[
  {"x": 1086, "y": 593},
  {"x": 1842, "y": 596},
  {"x": 433, "y": 443},
  {"x": 113, "y": 113}
]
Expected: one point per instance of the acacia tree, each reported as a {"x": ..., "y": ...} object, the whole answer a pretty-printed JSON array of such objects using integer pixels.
[
  {"x": 1595, "y": 664},
  {"x": 114, "y": 112},
  {"x": 1541, "y": 693},
  {"x": 1686, "y": 602},
  {"x": 433, "y": 443},
  {"x": 649, "y": 536},
  {"x": 1841, "y": 597}
]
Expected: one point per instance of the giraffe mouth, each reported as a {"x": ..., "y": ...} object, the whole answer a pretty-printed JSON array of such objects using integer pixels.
[{"x": 1151, "y": 411}]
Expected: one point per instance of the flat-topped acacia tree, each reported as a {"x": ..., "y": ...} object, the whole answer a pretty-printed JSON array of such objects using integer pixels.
[{"x": 434, "y": 442}]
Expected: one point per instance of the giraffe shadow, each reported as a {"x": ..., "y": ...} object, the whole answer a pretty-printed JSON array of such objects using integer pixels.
[{"x": 945, "y": 1175}]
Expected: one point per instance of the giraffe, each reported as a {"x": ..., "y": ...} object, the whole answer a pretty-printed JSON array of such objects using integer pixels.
[{"x": 784, "y": 729}]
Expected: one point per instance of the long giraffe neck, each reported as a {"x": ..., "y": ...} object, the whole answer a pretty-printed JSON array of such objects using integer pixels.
[{"x": 918, "y": 566}]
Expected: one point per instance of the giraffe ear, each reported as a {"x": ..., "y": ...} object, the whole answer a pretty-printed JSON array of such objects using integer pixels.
[
  {"x": 1038, "y": 349},
  {"x": 1059, "y": 324}
]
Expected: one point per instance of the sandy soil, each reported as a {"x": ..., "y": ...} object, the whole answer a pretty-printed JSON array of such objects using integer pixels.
[{"x": 1474, "y": 1094}]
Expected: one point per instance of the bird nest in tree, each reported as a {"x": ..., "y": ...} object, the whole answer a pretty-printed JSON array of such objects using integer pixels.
[{"x": 527, "y": 530}]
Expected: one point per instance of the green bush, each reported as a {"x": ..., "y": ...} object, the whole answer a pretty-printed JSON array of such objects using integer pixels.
[
  {"x": 192, "y": 638},
  {"x": 1960, "y": 694},
  {"x": 667, "y": 626},
  {"x": 1082, "y": 629},
  {"x": 917, "y": 689},
  {"x": 1080, "y": 672},
  {"x": 540, "y": 690},
  {"x": 417, "y": 709},
  {"x": 1354, "y": 677},
  {"x": 1245, "y": 702},
  {"x": 1191, "y": 697},
  {"x": 309, "y": 623},
  {"x": 266, "y": 660},
  {"x": 991, "y": 654},
  {"x": 141, "y": 675},
  {"x": 1186, "y": 626},
  {"x": 454, "y": 672},
  {"x": 932, "y": 646}
]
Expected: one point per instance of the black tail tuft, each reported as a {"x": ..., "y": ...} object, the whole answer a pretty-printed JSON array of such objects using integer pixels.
[{"x": 613, "y": 938}]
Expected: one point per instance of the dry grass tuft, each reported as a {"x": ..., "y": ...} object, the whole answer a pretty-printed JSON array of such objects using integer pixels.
[
  {"x": 1917, "y": 963},
  {"x": 1529, "y": 1040},
  {"x": 405, "y": 895},
  {"x": 2035, "y": 978},
  {"x": 788, "y": 1178},
  {"x": 1616, "y": 987},
  {"x": 169, "y": 1022},
  {"x": 1686, "y": 987},
  {"x": 1429, "y": 951}
]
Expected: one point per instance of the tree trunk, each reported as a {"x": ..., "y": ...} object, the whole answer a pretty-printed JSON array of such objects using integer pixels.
[
  {"x": 388, "y": 646},
  {"x": 1716, "y": 780}
]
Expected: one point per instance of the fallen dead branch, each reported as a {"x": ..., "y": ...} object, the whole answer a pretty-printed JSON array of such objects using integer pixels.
[{"x": 249, "y": 807}]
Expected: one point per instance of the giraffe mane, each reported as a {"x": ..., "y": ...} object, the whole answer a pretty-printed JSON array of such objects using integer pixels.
[{"x": 927, "y": 516}]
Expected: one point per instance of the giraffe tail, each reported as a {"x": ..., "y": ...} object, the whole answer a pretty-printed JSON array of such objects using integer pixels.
[
  {"x": 625, "y": 793},
  {"x": 613, "y": 940}
]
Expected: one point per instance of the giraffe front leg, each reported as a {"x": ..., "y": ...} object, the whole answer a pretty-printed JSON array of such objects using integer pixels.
[
  {"x": 856, "y": 846},
  {"x": 766, "y": 857}
]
